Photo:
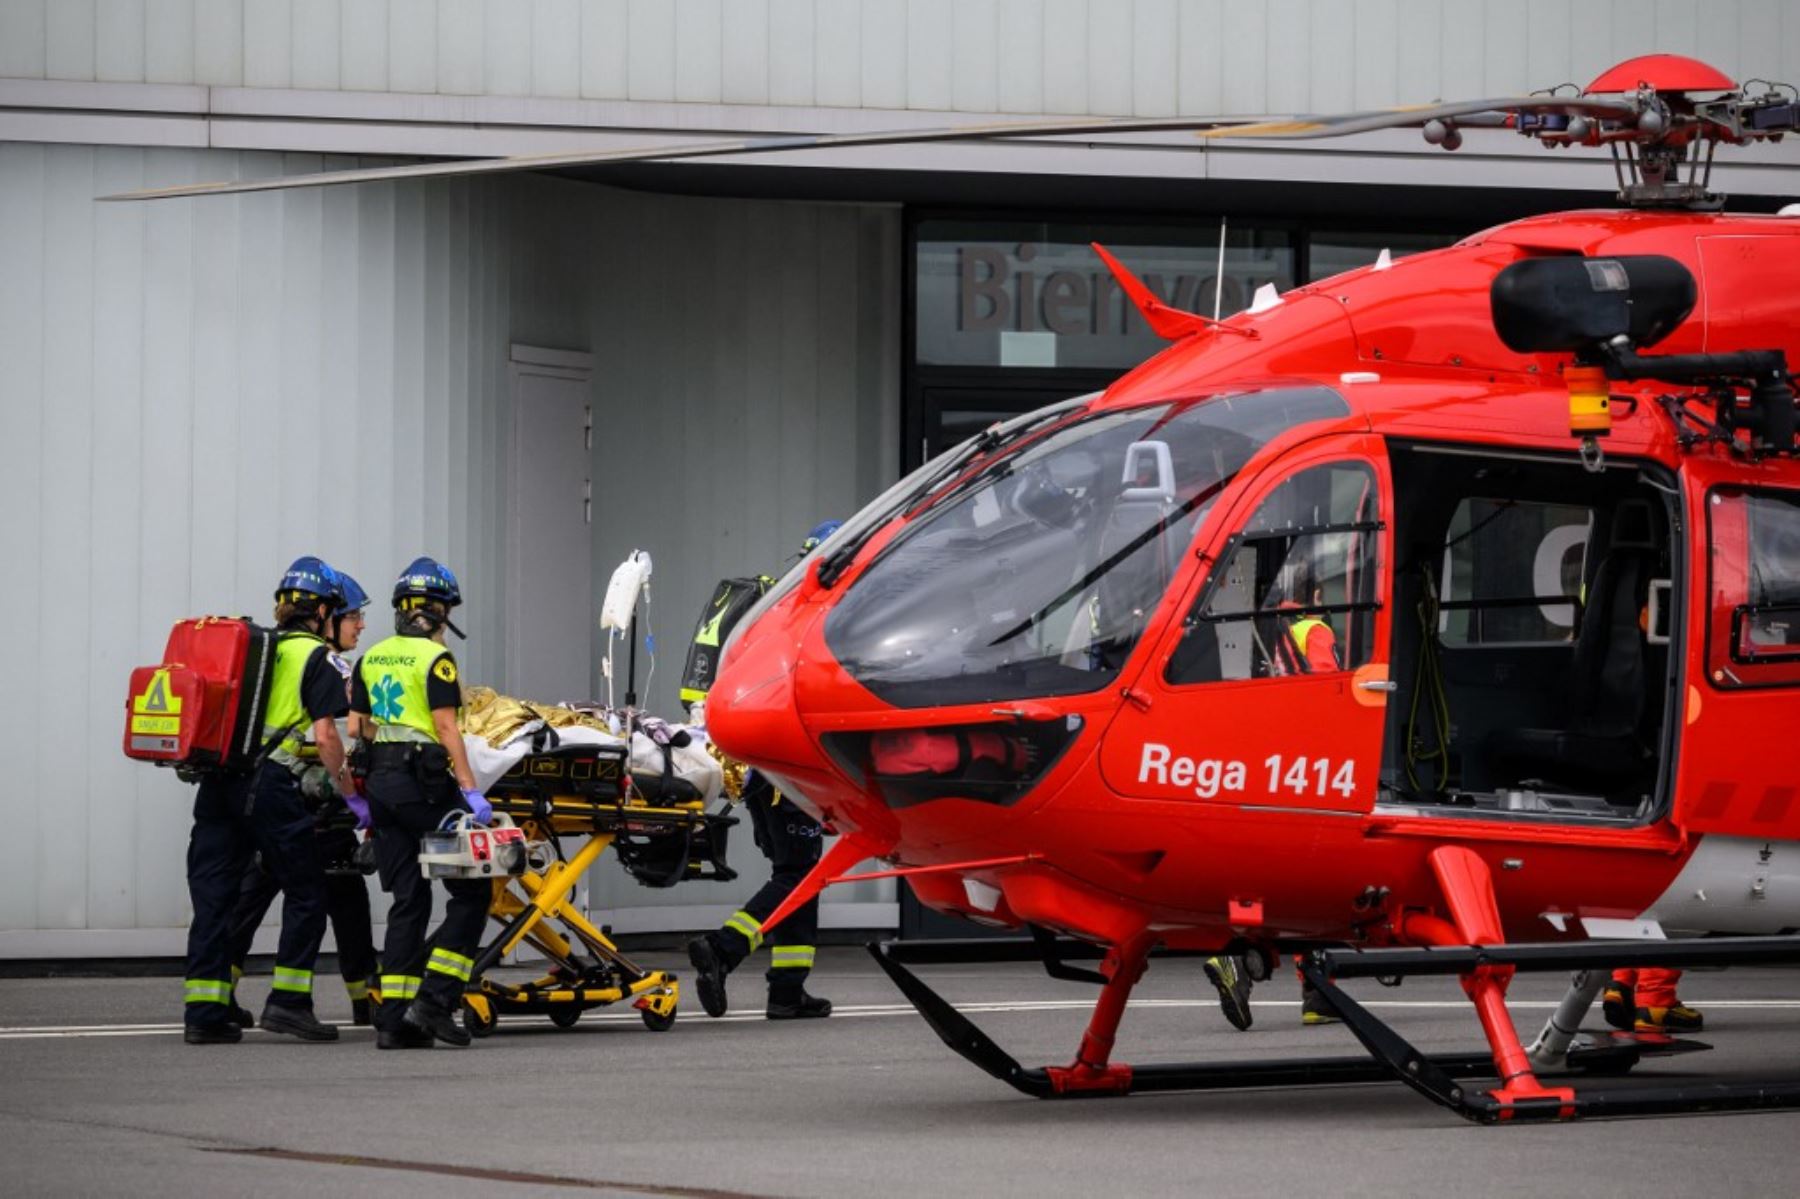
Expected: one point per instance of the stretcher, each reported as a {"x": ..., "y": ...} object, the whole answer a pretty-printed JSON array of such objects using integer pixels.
[{"x": 566, "y": 791}]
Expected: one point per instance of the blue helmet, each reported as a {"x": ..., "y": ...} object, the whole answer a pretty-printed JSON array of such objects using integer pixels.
[
  {"x": 350, "y": 595},
  {"x": 309, "y": 579},
  {"x": 821, "y": 531},
  {"x": 427, "y": 578}
]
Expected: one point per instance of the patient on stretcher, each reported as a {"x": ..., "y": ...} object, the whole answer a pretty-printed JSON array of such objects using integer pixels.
[{"x": 666, "y": 763}]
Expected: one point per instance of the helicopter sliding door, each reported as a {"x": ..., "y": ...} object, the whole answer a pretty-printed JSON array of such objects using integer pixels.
[
  {"x": 1270, "y": 692},
  {"x": 1740, "y": 762}
]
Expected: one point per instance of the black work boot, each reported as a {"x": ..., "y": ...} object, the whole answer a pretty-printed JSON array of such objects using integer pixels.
[
  {"x": 404, "y": 1037},
  {"x": 212, "y": 1034},
  {"x": 709, "y": 973},
  {"x": 240, "y": 1015},
  {"x": 1619, "y": 1006},
  {"x": 360, "y": 1014},
  {"x": 297, "y": 1022},
  {"x": 428, "y": 1017},
  {"x": 800, "y": 1007},
  {"x": 1229, "y": 977}
]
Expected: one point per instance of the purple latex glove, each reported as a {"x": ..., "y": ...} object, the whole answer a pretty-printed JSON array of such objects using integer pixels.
[
  {"x": 359, "y": 807},
  {"x": 478, "y": 806}
]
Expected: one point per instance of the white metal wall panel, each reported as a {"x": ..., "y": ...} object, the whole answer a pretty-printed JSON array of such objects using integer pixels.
[
  {"x": 363, "y": 46},
  {"x": 219, "y": 43},
  {"x": 204, "y": 390},
  {"x": 883, "y": 54},
  {"x": 929, "y": 57},
  {"x": 21, "y": 493},
  {"x": 650, "y": 50},
  {"x": 699, "y": 52},
  {"x": 119, "y": 41},
  {"x": 412, "y": 45},
  {"x": 193, "y": 394},
  {"x": 1019, "y": 57},
  {"x": 1065, "y": 62},
  {"x": 1148, "y": 57},
  {"x": 556, "y": 48},
  {"x": 269, "y": 44},
  {"x": 169, "y": 41},
  {"x": 460, "y": 26},
  {"x": 23, "y": 38},
  {"x": 837, "y": 54},
  {"x": 1377, "y": 33},
  {"x": 1245, "y": 75},
  {"x": 69, "y": 40},
  {"x": 1289, "y": 63},
  {"x": 745, "y": 53},
  {"x": 506, "y": 49},
  {"x": 1202, "y": 64},
  {"x": 318, "y": 36},
  {"x": 791, "y": 65},
  {"x": 605, "y": 26},
  {"x": 1109, "y": 42},
  {"x": 1155, "y": 58},
  {"x": 975, "y": 46}
]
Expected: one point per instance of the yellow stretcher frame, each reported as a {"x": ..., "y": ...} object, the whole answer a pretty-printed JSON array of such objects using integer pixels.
[{"x": 534, "y": 909}]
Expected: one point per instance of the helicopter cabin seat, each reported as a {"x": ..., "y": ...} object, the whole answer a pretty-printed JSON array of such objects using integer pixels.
[{"x": 1603, "y": 747}]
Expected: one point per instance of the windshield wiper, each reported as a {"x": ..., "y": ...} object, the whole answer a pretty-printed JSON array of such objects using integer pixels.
[
  {"x": 833, "y": 565},
  {"x": 1098, "y": 572}
]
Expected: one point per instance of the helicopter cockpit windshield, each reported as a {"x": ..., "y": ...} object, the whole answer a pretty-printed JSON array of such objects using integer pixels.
[{"x": 1035, "y": 575}]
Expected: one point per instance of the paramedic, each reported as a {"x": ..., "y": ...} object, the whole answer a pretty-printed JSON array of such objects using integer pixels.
[
  {"x": 792, "y": 841},
  {"x": 347, "y": 897},
  {"x": 236, "y": 815},
  {"x": 406, "y": 687}
]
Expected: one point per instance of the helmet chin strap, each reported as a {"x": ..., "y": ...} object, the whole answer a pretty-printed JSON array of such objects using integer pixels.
[{"x": 451, "y": 625}]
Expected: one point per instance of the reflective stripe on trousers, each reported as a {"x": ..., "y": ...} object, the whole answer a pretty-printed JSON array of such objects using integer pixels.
[
  {"x": 747, "y": 927},
  {"x": 443, "y": 961},
  {"x": 399, "y": 987},
  {"x": 791, "y": 957},
  {"x": 207, "y": 990}
]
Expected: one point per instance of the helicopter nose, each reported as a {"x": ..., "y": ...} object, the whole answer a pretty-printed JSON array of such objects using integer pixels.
[{"x": 750, "y": 711}]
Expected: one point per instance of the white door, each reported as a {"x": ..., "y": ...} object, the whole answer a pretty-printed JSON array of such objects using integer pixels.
[{"x": 550, "y": 577}]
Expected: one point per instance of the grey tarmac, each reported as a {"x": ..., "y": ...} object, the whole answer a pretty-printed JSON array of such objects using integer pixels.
[{"x": 99, "y": 1096}]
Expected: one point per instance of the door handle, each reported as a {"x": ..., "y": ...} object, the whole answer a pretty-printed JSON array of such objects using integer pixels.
[{"x": 1379, "y": 685}]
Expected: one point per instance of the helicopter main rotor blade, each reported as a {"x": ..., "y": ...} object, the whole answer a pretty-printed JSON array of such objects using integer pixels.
[
  {"x": 749, "y": 145},
  {"x": 1471, "y": 112}
]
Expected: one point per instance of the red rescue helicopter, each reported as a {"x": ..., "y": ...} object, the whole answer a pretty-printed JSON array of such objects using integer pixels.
[
  {"x": 1424, "y": 607},
  {"x": 1412, "y": 621}
]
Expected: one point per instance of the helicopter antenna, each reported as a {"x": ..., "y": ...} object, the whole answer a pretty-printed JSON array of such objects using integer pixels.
[{"x": 1219, "y": 274}]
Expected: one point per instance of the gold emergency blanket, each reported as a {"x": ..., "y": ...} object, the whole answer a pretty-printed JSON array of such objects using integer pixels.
[{"x": 496, "y": 718}]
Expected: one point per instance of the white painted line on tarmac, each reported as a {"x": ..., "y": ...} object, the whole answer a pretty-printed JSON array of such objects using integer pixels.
[{"x": 30, "y": 1032}]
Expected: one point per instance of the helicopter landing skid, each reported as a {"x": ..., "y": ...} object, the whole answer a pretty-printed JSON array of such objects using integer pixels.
[{"x": 1439, "y": 1077}]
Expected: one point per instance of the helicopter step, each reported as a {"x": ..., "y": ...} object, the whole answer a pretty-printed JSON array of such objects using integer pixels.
[{"x": 1439, "y": 1077}]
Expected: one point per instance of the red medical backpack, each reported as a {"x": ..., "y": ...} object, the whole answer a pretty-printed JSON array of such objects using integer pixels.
[{"x": 202, "y": 709}]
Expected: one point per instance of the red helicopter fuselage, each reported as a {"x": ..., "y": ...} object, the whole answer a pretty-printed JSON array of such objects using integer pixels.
[{"x": 1110, "y": 788}]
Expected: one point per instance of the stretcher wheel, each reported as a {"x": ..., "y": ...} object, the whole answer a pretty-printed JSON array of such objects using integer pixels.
[
  {"x": 658, "y": 1021},
  {"x": 479, "y": 1018},
  {"x": 565, "y": 1017}
]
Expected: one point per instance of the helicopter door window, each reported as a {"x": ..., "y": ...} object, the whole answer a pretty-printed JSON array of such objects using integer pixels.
[
  {"x": 1754, "y": 619},
  {"x": 1295, "y": 590},
  {"x": 1513, "y": 573}
]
